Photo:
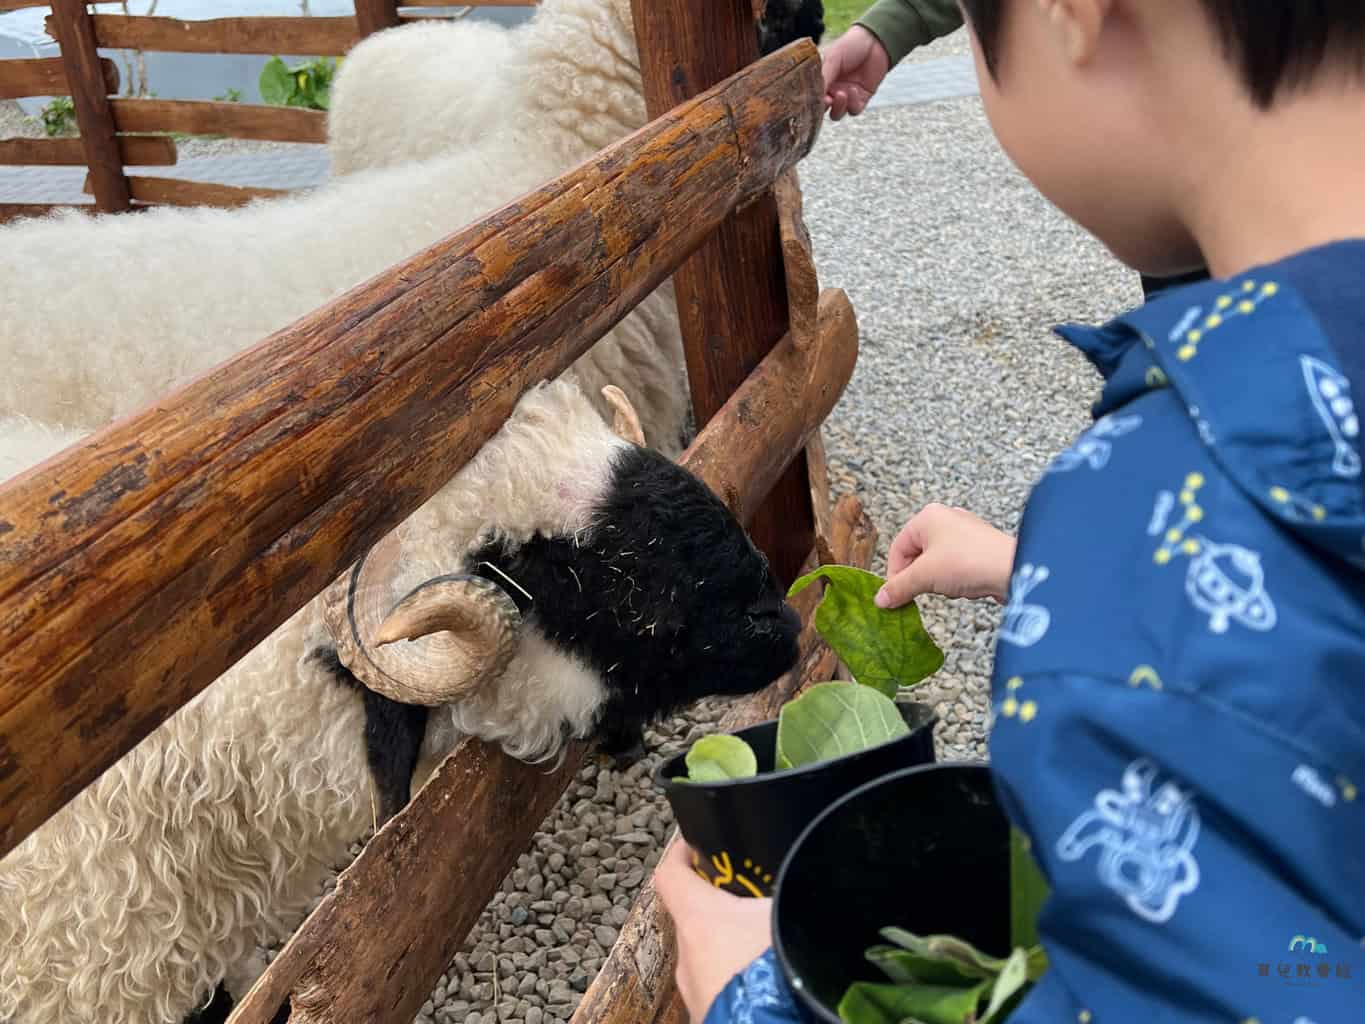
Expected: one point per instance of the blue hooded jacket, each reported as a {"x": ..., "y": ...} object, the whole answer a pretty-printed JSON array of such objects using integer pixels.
[{"x": 1178, "y": 699}]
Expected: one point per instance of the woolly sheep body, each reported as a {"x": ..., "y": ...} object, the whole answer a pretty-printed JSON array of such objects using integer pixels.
[
  {"x": 559, "y": 88},
  {"x": 116, "y": 311},
  {"x": 99, "y": 316}
]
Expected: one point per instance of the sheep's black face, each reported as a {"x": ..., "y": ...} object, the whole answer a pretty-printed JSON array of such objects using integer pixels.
[
  {"x": 668, "y": 598},
  {"x": 785, "y": 21}
]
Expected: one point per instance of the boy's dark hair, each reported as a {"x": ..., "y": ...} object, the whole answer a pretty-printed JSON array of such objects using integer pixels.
[{"x": 1275, "y": 44}]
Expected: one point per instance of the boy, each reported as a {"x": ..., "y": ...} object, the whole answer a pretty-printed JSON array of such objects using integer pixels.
[{"x": 1185, "y": 616}]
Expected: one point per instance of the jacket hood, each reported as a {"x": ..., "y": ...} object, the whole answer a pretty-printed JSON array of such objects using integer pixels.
[{"x": 1263, "y": 380}]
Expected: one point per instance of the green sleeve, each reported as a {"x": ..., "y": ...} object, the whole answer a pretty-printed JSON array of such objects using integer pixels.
[{"x": 902, "y": 25}]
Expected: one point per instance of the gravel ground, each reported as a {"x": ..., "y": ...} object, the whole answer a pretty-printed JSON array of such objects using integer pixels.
[{"x": 957, "y": 271}]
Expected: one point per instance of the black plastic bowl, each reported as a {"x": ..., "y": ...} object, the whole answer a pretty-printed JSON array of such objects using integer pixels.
[
  {"x": 925, "y": 849},
  {"x": 742, "y": 828}
]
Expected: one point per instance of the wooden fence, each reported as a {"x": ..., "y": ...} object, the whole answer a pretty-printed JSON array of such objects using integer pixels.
[
  {"x": 118, "y": 133},
  {"x": 140, "y": 564}
]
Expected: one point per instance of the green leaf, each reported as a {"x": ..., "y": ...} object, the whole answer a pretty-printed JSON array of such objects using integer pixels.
[
  {"x": 1028, "y": 892},
  {"x": 1012, "y": 982},
  {"x": 869, "y": 1003},
  {"x": 715, "y": 758},
  {"x": 903, "y": 966},
  {"x": 886, "y": 650},
  {"x": 947, "y": 949},
  {"x": 276, "y": 83},
  {"x": 833, "y": 719}
]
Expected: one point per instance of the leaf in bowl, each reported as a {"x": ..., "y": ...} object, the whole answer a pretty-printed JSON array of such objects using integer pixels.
[
  {"x": 1011, "y": 983},
  {"x": 947, "y": 949},
  {"x": 869, "y": 1003},
  {"x": 721, "y": 757},
  {"x": 833, "y": 719},
  {"x": 884, "y": 649}
]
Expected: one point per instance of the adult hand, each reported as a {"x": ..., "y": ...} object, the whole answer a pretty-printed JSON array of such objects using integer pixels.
[
  {"x": 854, "y": 66},
  {"x": 718, "y": 934},
  {"x": 947, "y": 551}
]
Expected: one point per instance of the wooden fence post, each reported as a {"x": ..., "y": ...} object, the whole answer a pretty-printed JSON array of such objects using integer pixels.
[
  {"x": 85, "y": 75},
  {"x": 731, "y": 293},
  {"x": 375, "y": 15}
]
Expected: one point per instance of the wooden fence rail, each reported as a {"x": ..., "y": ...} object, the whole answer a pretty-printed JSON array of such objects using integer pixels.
[
  {"x": 105, "y": 121},
  {"x": 212, "y": 516}
]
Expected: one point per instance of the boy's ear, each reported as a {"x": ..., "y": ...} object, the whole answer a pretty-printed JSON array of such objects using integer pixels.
[{"x": 1076, "y": 25}]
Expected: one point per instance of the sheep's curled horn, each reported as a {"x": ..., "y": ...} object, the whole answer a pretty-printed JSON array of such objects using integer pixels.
[{"x": 469, "y": 623}]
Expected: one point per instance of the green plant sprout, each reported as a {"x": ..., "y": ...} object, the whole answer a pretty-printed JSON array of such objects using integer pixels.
[
  {"x": 58, "y": 116},
  {"x": 308, "y": 84}
]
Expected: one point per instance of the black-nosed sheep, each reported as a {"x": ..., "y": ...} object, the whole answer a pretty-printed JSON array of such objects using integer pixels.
[
  {"x": 587, "y": 583},
  {"x": 608, "y": 585}
]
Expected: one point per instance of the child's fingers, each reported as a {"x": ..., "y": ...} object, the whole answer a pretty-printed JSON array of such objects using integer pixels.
[
  {"x": 904, "y": 549},
  {"x": 675, "y": 881},
  {"x": 905, "y": 586}
]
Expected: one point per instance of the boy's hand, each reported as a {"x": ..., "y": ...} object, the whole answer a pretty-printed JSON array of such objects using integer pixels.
[
  {"x": 718, "y": 934},
  {"x": 947, "y": 551},
  {"x": 854, "y": 66}
]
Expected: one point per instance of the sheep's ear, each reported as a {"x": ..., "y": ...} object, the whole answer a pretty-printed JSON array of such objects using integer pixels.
[
  {"x": 463, "y": 630},
  {"x": 627, "y": 421}
]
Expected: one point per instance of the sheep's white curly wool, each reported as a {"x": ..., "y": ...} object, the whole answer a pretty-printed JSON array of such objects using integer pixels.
[
  {"x": 561, "y": 86},
  {"x": 208, "y": 840},
  {"x": 99, "y": 316}
]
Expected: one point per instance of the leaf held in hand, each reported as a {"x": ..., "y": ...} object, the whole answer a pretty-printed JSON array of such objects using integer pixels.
[
  {"x": 833, "y": 719},
  {"x": 886, "y": 650},
  {"x": 716, "y": 758}
]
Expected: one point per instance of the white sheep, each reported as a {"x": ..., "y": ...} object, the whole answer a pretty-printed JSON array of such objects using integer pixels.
[
  {"x": 591, "y": 565},
  {"x": 428, "y": 88},
  {"x": 586, "y": 582},
  {"x": 100, "y": 315}
]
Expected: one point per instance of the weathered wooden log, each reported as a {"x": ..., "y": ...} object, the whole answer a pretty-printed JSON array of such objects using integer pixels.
[
  {"x": 636, "y": 985},
  {"x": 179, "y": 192},
  {"x": 803, "y": 285},
  {"x": 375, "y": 15},
  {"x": 731, "y": 294},
  {"x": 71, "y": 25},
  {"x": 235, "y": 120},
  {"x": 15, "y": 211},
  {"x": 305, "y": 36},
  {"x": 15, "y": 5},
  {"x": 355, "y": 959},
  {"x": 45, "y": 76},
  {"x": 812, "y": 379},
  {"x": 138, "y": 565},
  {"x": 134, "y": 151}
]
